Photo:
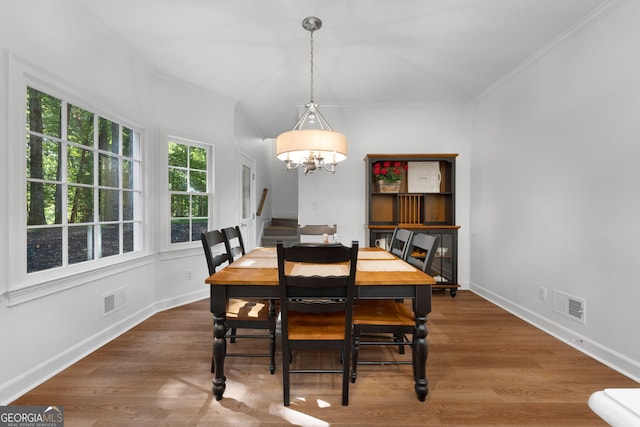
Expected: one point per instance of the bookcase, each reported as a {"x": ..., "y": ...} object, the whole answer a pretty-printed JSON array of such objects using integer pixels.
[{"x": 424, "y": 202}]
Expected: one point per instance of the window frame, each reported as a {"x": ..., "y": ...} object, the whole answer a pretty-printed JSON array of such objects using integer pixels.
[
  {"x": 210, "y": 173},
  {"x": 22, "y": 286}
]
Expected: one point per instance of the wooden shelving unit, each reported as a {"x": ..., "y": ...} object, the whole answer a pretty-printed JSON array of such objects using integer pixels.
[{"x": 430, "y": 211}]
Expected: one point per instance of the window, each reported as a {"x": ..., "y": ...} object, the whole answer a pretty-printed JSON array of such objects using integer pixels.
[
  {"x": 83, "y": 184},
  {"x": 188, "y": 190}
]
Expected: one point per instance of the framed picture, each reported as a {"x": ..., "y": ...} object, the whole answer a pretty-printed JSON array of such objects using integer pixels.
[{"x": 423, "y": 177}]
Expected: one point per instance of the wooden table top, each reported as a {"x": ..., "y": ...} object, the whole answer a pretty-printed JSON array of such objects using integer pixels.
[{"x": 236, "y": 274}]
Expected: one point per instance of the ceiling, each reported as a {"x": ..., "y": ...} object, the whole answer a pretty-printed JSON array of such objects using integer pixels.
[{"x": 368, "y": 52}]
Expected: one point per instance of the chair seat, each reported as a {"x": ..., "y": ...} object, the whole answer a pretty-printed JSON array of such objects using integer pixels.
[
  {"x": 382, "y": 312},
  {"x": 248, "y": 309},
  {"x": 304, "y": 326}
]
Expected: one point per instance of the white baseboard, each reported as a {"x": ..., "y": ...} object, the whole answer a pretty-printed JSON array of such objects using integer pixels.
[
  {"x": 612, "y": 359},
  {"x": 30, "y": 379}
]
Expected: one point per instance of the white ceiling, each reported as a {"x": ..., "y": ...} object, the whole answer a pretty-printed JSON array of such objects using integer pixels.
[{"x": 381, "y": 52}]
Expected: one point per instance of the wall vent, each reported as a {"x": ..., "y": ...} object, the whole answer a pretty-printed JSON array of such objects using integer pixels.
[
  {"x": 113, "y": 301},
  {"x": 569, "y": 306}
]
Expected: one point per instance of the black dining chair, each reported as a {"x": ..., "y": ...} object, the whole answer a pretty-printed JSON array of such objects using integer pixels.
[
  {"x": 233, "y": 242},
  {"x": 388, "y": 322},
  {"x": 316, "y": 305},
  {"x": 421, "y": 251},
  {"x": 399, "y": 240},
  {"x": 241, "y": 313},
  {"x": 235, "y": 249}
]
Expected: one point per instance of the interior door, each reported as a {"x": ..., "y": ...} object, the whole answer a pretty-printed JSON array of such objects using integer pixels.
[{"x": 247, "y": 200}]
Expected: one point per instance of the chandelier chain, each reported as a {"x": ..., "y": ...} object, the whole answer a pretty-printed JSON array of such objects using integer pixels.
[{"x": 311, "y": 38}]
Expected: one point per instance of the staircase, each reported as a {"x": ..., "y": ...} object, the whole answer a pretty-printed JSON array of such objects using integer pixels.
[{"x": 284, "y": 229}]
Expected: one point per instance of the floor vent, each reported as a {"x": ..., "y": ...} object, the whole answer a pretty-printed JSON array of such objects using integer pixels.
[
  {"x": 569, "y": 306},
  {"x": 113, "y": 301}
]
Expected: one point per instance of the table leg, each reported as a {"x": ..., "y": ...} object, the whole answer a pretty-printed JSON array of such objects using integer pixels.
[
  {"x": 219, "y": 352},
  {"x": 420, "y": 352}
]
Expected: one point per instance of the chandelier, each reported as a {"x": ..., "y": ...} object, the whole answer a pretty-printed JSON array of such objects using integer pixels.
[{"x": 312, "y": 143}]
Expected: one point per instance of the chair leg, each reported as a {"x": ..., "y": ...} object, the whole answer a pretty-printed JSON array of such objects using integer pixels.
[
  {"x": 272, "y": 350},
  {"x": 356, "y": 352},
  {"x": 233, "y": 335},
  {"x": 345, "y": 374},
  {"x": 399, "y": 338},
  {"x": 285, "y": 377},
  {"x": 272, "y": 335}
]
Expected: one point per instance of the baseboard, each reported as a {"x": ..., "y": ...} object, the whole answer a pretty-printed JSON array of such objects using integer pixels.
[
  {"x": 30, "y": 379},
  {"x": 618, "y": 362},
  {"x": 173, "y": 302}
]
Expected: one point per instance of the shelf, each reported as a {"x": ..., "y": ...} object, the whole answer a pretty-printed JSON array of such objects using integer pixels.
[
  {"x": 413, "y": 209},
  {"x": 430, "y": 211},
  {"x": 389, "y": 227}
]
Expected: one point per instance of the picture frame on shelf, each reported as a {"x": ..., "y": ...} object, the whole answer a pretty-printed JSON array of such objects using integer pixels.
[{"x": 423, "y": 177}]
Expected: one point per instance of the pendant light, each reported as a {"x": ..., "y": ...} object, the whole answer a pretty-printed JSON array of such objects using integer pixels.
[{"x": 312, "y": 143}]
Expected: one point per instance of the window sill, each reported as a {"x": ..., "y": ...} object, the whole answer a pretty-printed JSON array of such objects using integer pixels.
[{"x": 44, "y": 288}]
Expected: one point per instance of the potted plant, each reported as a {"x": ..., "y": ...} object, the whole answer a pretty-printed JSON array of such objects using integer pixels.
[{"x": 388, "y": 175}]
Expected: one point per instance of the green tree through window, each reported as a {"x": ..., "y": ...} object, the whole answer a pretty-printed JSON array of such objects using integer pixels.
[
  {"x": 188, "y": 189},
  {"x": 82, "y": 186}
]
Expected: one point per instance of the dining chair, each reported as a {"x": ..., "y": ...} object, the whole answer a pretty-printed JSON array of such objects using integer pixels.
[
  {"x": 317, "y": 286},
  {"x": 376, "y": 319},
  {"x": 235, "y": 249},
  {"x": 314, "y": 233},
  {"x": 398, "y": 244},
  {"x": 399, "y": 240},
  {"x": 241, "y": 314},
  {"x": 233, "y": 242},
  {"x": 422, "y": 250}
]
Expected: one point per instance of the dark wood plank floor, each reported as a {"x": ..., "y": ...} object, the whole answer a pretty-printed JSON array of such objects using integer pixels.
[{"x": 486, "y": 367}]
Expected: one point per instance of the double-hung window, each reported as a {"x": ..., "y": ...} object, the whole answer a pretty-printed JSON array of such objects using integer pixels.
[
  {"x": 83, "y": 184},
  {"x": 189, "y": 169}
]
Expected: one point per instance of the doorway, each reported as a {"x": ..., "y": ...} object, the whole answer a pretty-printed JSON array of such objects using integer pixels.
[{"x": 247, "y": 201}]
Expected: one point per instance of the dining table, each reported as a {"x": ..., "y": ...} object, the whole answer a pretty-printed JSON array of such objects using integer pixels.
[{"x": 379, "y": 275}]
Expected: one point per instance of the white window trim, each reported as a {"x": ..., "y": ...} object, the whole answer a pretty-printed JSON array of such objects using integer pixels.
[
  {"x": 20, "y": 286},
  {"x": 189, "y": 248}
]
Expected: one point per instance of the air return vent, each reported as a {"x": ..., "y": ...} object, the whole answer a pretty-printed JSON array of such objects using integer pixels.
[
  {"x": 113, "y": 301},
  {"x": 569, "y": 306}
]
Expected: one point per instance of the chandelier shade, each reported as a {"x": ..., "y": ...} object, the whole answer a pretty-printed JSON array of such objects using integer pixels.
[
  {"x": 296, "y": 145},
  {"x": 312, "y": 142}
]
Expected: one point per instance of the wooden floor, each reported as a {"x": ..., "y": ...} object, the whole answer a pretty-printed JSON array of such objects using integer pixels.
[{"x": 485, "y": 367}]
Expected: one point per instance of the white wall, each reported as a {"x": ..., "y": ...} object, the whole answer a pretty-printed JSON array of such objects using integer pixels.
[
  {"x": 258, "y": 150},
  {"x": 284, "y": 191},
  {"x": 44, "y": 335},
  {"x": 190, "y": 112},
  {"x": 554, "y": 187},
  {"x": 341, "y": 198}
]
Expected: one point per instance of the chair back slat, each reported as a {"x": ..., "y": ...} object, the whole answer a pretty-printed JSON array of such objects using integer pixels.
[{"x": 212, "y": 242}]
